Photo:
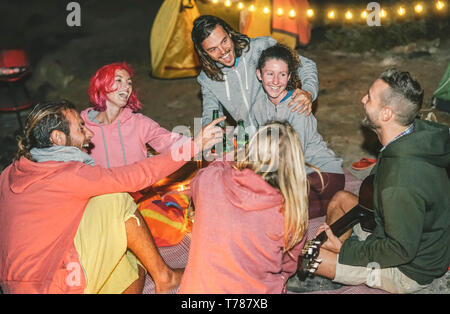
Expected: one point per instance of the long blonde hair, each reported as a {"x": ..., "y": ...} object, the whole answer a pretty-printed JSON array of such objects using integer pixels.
[{"x": 275, "y": 153}]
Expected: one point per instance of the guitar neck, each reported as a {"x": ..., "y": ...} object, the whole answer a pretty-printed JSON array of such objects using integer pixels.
[{"x": 343, "y": 224}]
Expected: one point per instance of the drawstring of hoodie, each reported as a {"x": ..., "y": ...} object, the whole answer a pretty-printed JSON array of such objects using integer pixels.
[
  {"x": 227, "y": 88},
  {"x": 245, "y": 70},
  {"x": 122, "y": 144},
  {"x": 106, "y": 146}
]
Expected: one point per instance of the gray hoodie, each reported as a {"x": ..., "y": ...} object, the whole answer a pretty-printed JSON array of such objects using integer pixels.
[
  {"x": 239, "y": 90},
  {"x": 314, "y": 147}
]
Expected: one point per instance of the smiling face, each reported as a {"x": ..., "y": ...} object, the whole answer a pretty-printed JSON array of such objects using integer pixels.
[
  {"x": 274, "y": 76},
  {"x": 219, "y": 46},
  {"x": 121, "y": 89},
  {"x": 80, "y": 136}
]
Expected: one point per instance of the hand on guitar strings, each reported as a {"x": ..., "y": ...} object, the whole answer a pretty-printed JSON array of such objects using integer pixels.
[{"x": 333, "y": 243}]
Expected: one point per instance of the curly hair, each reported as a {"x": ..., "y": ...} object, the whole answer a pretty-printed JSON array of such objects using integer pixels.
[
  {"x": 42, "y": 120},
  {"x": 101, "y": 84},
  {"x": 203, "y": 27},
  {"x": 286, "y": 54}
]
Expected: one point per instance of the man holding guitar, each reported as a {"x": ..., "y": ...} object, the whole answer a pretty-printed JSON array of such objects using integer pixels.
[{"x": 409, "y": 246}]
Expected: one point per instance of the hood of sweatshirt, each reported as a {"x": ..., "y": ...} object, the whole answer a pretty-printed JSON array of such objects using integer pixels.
[
  {"x": 25, "y": 172},
  {"x": 248, "y": 191},
  {"x": 430, "y": 143},
  {"x": 89, "y": 114}
]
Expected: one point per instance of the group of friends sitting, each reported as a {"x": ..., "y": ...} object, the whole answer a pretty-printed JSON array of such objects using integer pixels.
[{"x": 69, "y": 225}]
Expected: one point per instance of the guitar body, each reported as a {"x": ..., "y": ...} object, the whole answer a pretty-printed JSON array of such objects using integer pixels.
[{"x": 362, "y": 213}]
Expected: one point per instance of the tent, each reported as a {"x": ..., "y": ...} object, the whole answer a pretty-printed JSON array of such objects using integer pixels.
[
  {"x": 441, "y": 96},
  {"x": 171, "y": 48},
  {"x": 289, "y": 30}
]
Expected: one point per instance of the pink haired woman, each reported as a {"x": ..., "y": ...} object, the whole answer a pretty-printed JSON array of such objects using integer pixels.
[{"x": 120, "y": 133}]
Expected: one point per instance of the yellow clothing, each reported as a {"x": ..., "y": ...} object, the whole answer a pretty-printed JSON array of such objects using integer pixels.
[{"x": 101, "y": 243}]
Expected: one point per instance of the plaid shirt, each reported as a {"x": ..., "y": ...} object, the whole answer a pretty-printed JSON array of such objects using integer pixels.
[{"x": 408, "y": 130}]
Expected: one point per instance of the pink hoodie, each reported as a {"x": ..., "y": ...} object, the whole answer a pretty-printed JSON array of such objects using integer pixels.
[
  {"x": 123, "y": 141},
  {"x": 237, "y": 237},
  {"x": 41, "y": 205}
]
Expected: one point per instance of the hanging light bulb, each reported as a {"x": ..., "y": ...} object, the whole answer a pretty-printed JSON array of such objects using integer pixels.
[
  {"x": 331, "y": 15},
  {"x": 215, "y": 1},
  {"x": 228, "y": 3},
  {"x": 252, "y": 8},
  {"x": 310, "y": 12},
  {"x": 280, "y": 11},
  {"x": 401, "y": 11},
  {"x": 292, "y": 13},
  {"x": 383, "y": 13},
  {"x": 440, "y": 5},
  {"x": 348, "y": 15},
  {"x": 266, "y": 10},
  {"x": 364, "y": 14},
  {"x": 418, "y": 8},
  {"x": 240, "y": 5}
]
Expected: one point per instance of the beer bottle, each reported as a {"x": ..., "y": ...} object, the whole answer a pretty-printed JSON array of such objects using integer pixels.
[
  {"x": 241, "y": 137},
  {"x": 214, "y": 117},
  {"x": 225, "y": 143}
]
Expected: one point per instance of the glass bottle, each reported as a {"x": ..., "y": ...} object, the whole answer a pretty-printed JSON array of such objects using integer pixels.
[{"x": 241, "y": 137}]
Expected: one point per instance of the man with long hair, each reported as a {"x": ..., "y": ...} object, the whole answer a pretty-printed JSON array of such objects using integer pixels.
[
  {"x": 64, "y": 226},
  {"x": 228, "y": 59},
  {"x": 409, "y": 247}
]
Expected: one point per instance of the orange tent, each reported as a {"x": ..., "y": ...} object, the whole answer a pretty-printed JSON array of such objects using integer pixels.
[{"x": 289, "y": 30}]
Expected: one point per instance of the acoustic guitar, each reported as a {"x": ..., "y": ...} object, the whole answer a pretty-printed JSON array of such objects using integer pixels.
[{"x": 362, "y": 213}]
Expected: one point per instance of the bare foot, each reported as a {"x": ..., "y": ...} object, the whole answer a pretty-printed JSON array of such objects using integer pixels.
[{"x": 172, "y": 280}]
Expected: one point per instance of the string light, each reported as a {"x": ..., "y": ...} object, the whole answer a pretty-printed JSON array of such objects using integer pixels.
[
  {"x": 418, "y": 8},
  {"x": 280, "y": 11},
  {"x": 292, "y": 13},
  {"x": 331, "y": 15},
  {"x": 440, "y": 5},
  {"x": 348, "y": 15}
]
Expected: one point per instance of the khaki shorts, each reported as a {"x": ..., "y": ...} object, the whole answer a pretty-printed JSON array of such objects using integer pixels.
[
  {"x": 101, "y": 244},
  {"x": 388, "y": 279}
]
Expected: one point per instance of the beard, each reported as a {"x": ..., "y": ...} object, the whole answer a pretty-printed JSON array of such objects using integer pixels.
[{"x": 368, "y": 123}]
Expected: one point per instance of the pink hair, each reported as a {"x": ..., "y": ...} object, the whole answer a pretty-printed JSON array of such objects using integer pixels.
[{"x": 101, "y": 84}]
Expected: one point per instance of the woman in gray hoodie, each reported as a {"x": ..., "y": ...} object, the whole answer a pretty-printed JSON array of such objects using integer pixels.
[{"x": 277, "y": 70}]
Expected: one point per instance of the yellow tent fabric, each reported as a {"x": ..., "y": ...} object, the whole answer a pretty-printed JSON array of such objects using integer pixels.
[{"x": 171, "y": 47}]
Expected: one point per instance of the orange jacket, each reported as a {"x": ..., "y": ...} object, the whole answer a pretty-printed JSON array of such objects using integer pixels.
[{"x": 41, "y": 205}]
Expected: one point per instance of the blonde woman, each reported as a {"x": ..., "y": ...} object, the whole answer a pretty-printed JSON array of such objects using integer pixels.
[{"x": 250, "y": 218}]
